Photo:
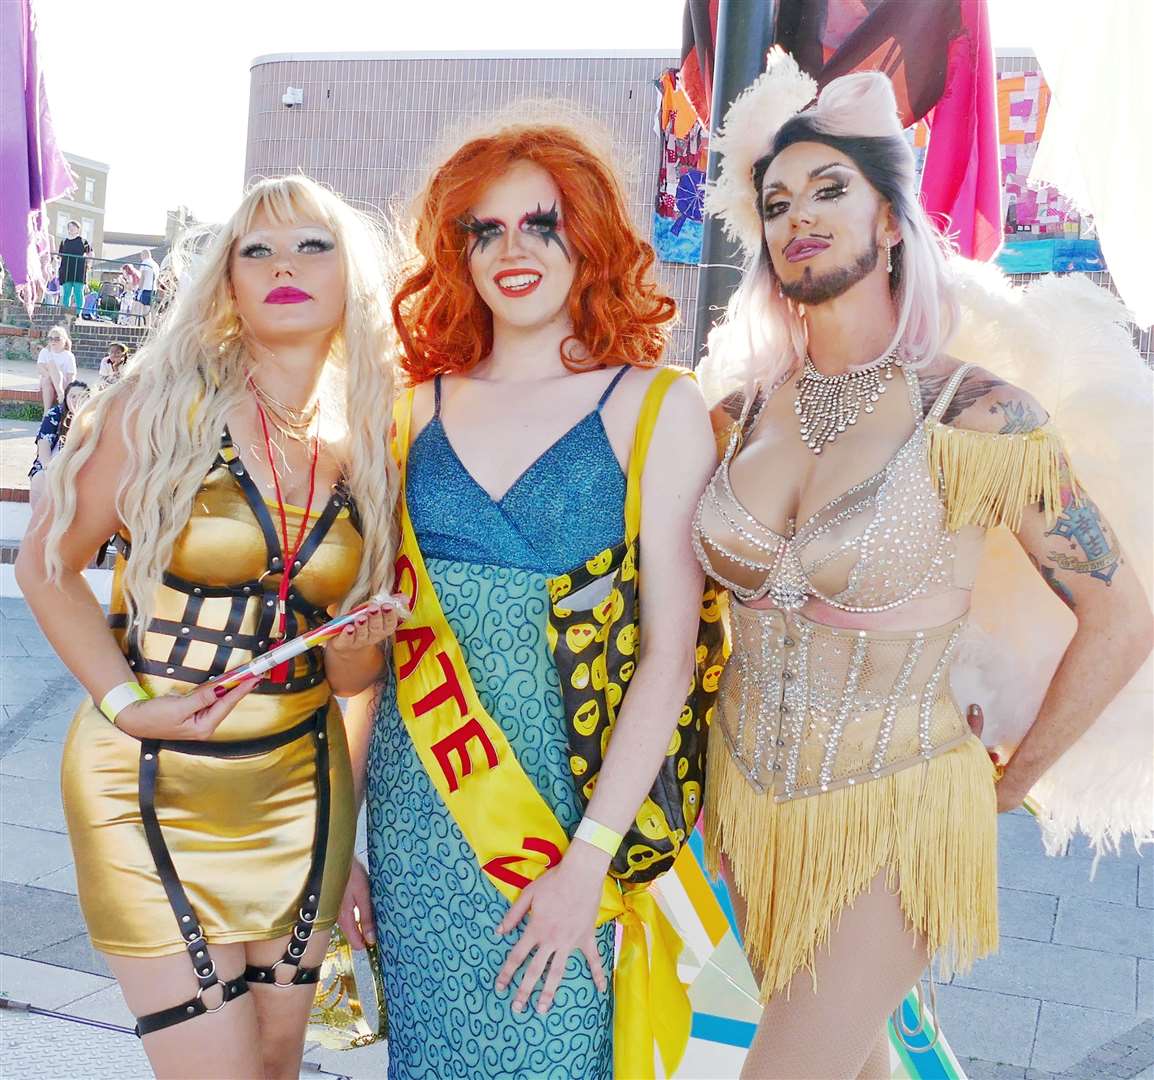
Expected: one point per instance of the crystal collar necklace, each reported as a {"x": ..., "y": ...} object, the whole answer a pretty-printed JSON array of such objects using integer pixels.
[{"x": 827, "y": 404}]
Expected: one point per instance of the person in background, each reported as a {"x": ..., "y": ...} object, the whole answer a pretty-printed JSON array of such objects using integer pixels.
[
  {"x": 52, "y": 289},
  {"x": 53, "y": 431},
  {"x": 112, "y": 365},
  {"x": 74, "y": 253},
  {"x": 129, "y": 282},
  {"x": 56, "y": 366},
  {"x": 149, "y": 275}
]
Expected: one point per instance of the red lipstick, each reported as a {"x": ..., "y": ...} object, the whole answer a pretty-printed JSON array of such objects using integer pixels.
[
  {"x": 804, "y": 247},
  {"x": 286, "y": 294},
  {"x": 517, "y": 282}
]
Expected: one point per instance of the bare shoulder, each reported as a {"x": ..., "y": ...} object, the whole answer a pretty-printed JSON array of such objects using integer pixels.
[
  {"x": 982, "y": 400},
  {"x": 423, "y": 405}
]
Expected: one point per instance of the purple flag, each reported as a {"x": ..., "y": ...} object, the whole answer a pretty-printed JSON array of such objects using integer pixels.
[{"x": 32, "y": 169}]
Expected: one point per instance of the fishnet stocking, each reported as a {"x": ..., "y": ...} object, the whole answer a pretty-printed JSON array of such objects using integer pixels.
[{"x": 838, "y": 1032}]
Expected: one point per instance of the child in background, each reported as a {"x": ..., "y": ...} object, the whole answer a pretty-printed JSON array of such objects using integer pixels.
[{"x": 112, "y": 366}]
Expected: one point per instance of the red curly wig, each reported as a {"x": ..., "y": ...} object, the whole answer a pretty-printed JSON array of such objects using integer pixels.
[{"x": 618, "y": 314}]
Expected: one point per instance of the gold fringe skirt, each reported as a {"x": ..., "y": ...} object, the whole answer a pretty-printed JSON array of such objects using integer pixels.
[{"x": 932, "y": 827}]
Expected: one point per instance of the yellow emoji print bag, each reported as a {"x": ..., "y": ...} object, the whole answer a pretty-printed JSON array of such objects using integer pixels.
[{"x": 595, "y": 635}]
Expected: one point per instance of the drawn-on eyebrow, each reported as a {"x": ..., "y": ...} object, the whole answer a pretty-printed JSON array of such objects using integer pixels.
[{"x": 777, "y": 185}]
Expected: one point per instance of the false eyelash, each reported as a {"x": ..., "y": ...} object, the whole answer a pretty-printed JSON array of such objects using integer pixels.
[
  {"x": 544, "y": 223},
  {"x": 321, "y": 243},
  {"x": 253, "y": 248},
  {"x": 483, "y": 232}
]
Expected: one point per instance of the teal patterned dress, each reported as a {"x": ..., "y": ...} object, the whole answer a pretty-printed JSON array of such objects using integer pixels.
[{"x": 436, "y": 912}]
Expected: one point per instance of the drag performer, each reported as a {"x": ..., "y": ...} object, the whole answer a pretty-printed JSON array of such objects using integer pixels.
[
  {"x": 851, "y": 807},
  {"x": 242, "y": 467},
  {"x": 529, "y": 324}
]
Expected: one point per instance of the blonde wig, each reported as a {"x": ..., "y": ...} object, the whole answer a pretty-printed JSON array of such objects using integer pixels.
[
  {"x": 178, "y": 388},
  {"x": 762, "y": 336}
]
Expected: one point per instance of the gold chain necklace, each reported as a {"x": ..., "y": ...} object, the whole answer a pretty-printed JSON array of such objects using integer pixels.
[
  {"x": 293, "y": 423},
  {"x": 828, "y": 404}
]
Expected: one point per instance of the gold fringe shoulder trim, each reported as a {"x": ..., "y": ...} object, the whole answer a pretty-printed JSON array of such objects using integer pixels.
[{"x": 988, "y": 479}]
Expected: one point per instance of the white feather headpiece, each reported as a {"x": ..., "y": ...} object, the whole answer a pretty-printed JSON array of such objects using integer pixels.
[{"x": 747, "y": 134}]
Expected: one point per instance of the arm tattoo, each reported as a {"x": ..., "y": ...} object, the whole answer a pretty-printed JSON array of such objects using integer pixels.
[
  {"x": 1018, "y": 417},
  {"x": 1050, "y": 577},
  {"x": 1090, "y": 545},
  {"x": 971, "y": 390}
]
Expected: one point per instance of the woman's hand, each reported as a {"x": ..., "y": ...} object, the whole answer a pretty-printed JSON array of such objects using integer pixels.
[
  {"x": 373, "y": 626},
  {"x": 356, "y": 915},
  {"x": 562, "y": 906},
  {"x": 181, "y": 716}
]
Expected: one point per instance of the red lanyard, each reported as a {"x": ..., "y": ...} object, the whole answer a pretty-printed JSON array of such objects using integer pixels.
[{"x": 289, "y": 557}]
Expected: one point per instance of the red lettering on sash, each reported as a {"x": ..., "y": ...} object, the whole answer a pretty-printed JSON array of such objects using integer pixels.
[
  {"x": 404, "y": 568},
  {"x": 457, "y": 742},
  {"x": 499, "y": 867},
  {"x": 449, "y": 689},
  {"x": 417, "y": 639}
]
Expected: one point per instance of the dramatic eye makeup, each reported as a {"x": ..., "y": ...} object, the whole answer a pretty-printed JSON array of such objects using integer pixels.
[
  {"x": 484, "y": 232},
  {"x": 542, "y": 223},
  {"x": 835, "y": 183},
  {"x": 545, "y": 224},
  {"x": 309, "y": 245}
]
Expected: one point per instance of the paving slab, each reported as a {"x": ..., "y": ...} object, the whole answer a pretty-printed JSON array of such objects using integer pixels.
[
  {"x": 106, "y": 1004},
  {"x": 1026, "y": 914},
  {"x": 1067, "y": 1034},
  {"x": 1146, "y": 987},
  {"x": 1058, "y": 973},
  {"x": 35, "y": 919},
  {"x": 27, "y": 854},
  {"x": 993, "y": 1027},
  {"x": 980, "y": 1069},
  {"x": 33, "y": 803},
  {"x": 74, "y": 952},
  {"x": 1109, "y": 927},
  {"x": 46, "y": 985},
  {"x": 62, "y": 880},
  {"x": 1115, "y": 880},
  {"x": 33, "y": 759},
  {"x": 39, "y": 1047},
  {"x": 1146, "y": 883}
]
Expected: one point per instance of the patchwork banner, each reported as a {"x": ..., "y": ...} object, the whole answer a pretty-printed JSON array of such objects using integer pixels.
[
  {"x": 1031, "y": 212},
  {"x": 680, "y": 198}
]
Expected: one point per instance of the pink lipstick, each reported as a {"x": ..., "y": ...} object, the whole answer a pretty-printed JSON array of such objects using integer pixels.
[
  {"x": 286, "y": 294},
  {"x": 804, "y": 247}
]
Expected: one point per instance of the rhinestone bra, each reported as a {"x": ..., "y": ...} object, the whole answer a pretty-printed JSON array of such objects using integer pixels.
[{"x": 894, "y": 521}]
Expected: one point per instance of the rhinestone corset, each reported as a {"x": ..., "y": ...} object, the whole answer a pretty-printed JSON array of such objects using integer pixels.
[
  {"x": 894, "y": 522},
  {"x": 807, "y": 708}
]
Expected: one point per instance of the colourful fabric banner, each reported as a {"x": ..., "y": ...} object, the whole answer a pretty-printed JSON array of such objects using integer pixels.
[{"x": 678, "y": 208}]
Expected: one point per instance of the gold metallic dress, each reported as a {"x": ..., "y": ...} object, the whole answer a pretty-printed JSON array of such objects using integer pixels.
[
  {"x": 839, "y": 753},
  {"x": 239, "y": 830}
]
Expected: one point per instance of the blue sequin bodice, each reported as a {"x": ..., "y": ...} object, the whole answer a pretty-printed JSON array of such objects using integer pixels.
[{"x": 563, "y": 508}]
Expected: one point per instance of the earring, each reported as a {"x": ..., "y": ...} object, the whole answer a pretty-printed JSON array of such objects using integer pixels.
[
  {"x": 780, "y": 291},
  {"x": 889, "y": 258}
]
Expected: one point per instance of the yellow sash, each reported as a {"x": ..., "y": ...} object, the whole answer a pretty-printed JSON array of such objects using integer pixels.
[{"x": 510, "y": 827}]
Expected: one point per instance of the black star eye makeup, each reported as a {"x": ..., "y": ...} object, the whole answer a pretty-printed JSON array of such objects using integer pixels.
[
  {"x": 483, "y": 231},
  {"x": 545, "y": 224}
]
